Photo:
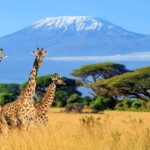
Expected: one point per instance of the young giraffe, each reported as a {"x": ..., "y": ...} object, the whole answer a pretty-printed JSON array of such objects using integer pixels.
[
  {"x": 42, "y": 109},
  {"x": 2, "y": 56},
  {"x": 21, "y": 112}
]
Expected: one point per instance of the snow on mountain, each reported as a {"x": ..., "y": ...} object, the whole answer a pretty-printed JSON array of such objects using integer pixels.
[
  {"x": 79, "y": 23},
  {"x": 76, "y": 23}
]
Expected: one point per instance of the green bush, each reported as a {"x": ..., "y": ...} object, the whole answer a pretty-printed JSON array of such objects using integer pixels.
[
  {"x": 127, "y": 103},
  {"x": 109, "y": 102},
  {"x": 147, "y": 105},
  {"x": 86, "y": 100},
  {"x": 60, "y": 104},
  {"x": 130, "y": 104},
  {"x": 98, "y": 104},
  {"x": 119, "y": 106},
  {"x": 137, "y": 104},
  {"x": 6, "y": 98},
  {"x": 74, "y": 107},
  {"x": 74, "y": 98}
]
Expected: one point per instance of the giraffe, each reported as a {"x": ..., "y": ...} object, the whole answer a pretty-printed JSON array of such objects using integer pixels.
[
  {"x": 42, "y": 109},
  {"x": 21, "y": 112},
  {"x": 2, "y": 56}
]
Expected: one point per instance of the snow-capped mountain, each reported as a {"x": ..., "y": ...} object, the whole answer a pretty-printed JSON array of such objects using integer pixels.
[
  {"x": 79, "y": 35},
  {"x": 77, "y": 24},
  {"x": 69, "y": 36}
]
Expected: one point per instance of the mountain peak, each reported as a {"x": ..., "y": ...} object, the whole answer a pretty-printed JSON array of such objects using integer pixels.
[{"x": 77, "y": 23}]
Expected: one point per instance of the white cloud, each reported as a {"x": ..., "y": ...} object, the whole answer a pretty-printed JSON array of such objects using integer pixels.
[{"x": 139, "y": 56}]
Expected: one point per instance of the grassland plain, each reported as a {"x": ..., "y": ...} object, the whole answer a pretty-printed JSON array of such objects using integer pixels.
[{"x": 69, "y": 131}]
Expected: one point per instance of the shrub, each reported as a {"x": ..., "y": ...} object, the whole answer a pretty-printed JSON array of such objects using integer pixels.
[
  {"x": 74, "y": 107},
  {"x": 98, "y": 104},
  {"x": 60, "y": 104},
  {"x": 109, "y": 102},
  {"x": 124, "y": 104},
  {"x": 74, "y": 98},
  {"x": 148, "y": 105},
  {"x": 86, "y": 100},
  {"x": 127, "y": 103},
  {"x": 6, "y": 98},
  {"x": 137, "y": 104},
  {"x": 119, "y": 106}
]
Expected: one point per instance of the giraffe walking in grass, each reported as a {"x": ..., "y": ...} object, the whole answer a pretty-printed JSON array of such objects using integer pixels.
[
  {"x": 42, "y": 109},
  {"x": 21, "y": 112}
]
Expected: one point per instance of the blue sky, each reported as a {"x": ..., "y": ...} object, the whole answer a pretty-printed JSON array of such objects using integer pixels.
[{"x": 133, "y": 15}]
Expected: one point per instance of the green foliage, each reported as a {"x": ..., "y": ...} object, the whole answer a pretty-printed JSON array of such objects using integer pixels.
[
  {"x": 6, "y": 98},
  {"x": 93, "y": 72},
  {"x": 60, "y": 104},
  {"x": 132, "y": 105},
  {"x": 109, "y": 102},
  {"x": 106, "y": 70},
  {"x": 61, "y": 98},
  {"x": 86, "y": 100},
  {"x": 10, "y": 88},
  {"x": 119, "y": 106},
  {"x": 74, "y": 107},
  {"x": 137, "y": 104},
  {"x": 8, "y": 93},
  {"x": 101, "y": 103},
  {"x": 74, "y": 98},
  {"x": 135, "y": 83},
  {"x": 124, "y": 104},
  {"x": 98, "y": 104}
]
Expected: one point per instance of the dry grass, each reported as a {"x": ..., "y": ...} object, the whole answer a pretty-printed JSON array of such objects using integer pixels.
[{"x": 108, "y": 131}]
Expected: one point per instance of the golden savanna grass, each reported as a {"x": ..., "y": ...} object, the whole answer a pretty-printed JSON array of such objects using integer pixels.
[{"x": 108, "y": 131}]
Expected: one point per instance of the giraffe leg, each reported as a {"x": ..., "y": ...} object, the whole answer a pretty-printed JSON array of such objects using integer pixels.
[
  {"x": 12, "y": 122},
  {"x": 3, "y": 125},
  {"x": 21, "y": 122},
  {"x": 45, "y": 123}
]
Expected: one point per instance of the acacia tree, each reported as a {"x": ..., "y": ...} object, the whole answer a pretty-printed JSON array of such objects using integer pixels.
[
  {"x": 135, "y": 84},
  {"x": 99, "y": 71}
]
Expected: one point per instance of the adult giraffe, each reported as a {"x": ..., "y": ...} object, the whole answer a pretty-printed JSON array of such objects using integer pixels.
[{"x": 21, "y": 112}]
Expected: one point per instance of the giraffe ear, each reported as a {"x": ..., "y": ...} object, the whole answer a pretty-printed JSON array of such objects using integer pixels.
[
  {"x": 33, "y": 52},
  {"x": 5, "y": 56}
]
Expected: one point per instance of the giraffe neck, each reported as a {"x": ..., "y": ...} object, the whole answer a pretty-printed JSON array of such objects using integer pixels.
[
  {"x": 29, "y": 91},
  {"x": 48, "y": 98}
]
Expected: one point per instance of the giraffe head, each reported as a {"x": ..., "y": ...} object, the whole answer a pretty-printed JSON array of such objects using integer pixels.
[
  {"x": 40, "y": 53},
  {"x": 2, "y": 56},
  {"x": 57, "y": 79}
]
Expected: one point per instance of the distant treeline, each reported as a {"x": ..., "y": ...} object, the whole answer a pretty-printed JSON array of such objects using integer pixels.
[{"x": 113, "y": 87}]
